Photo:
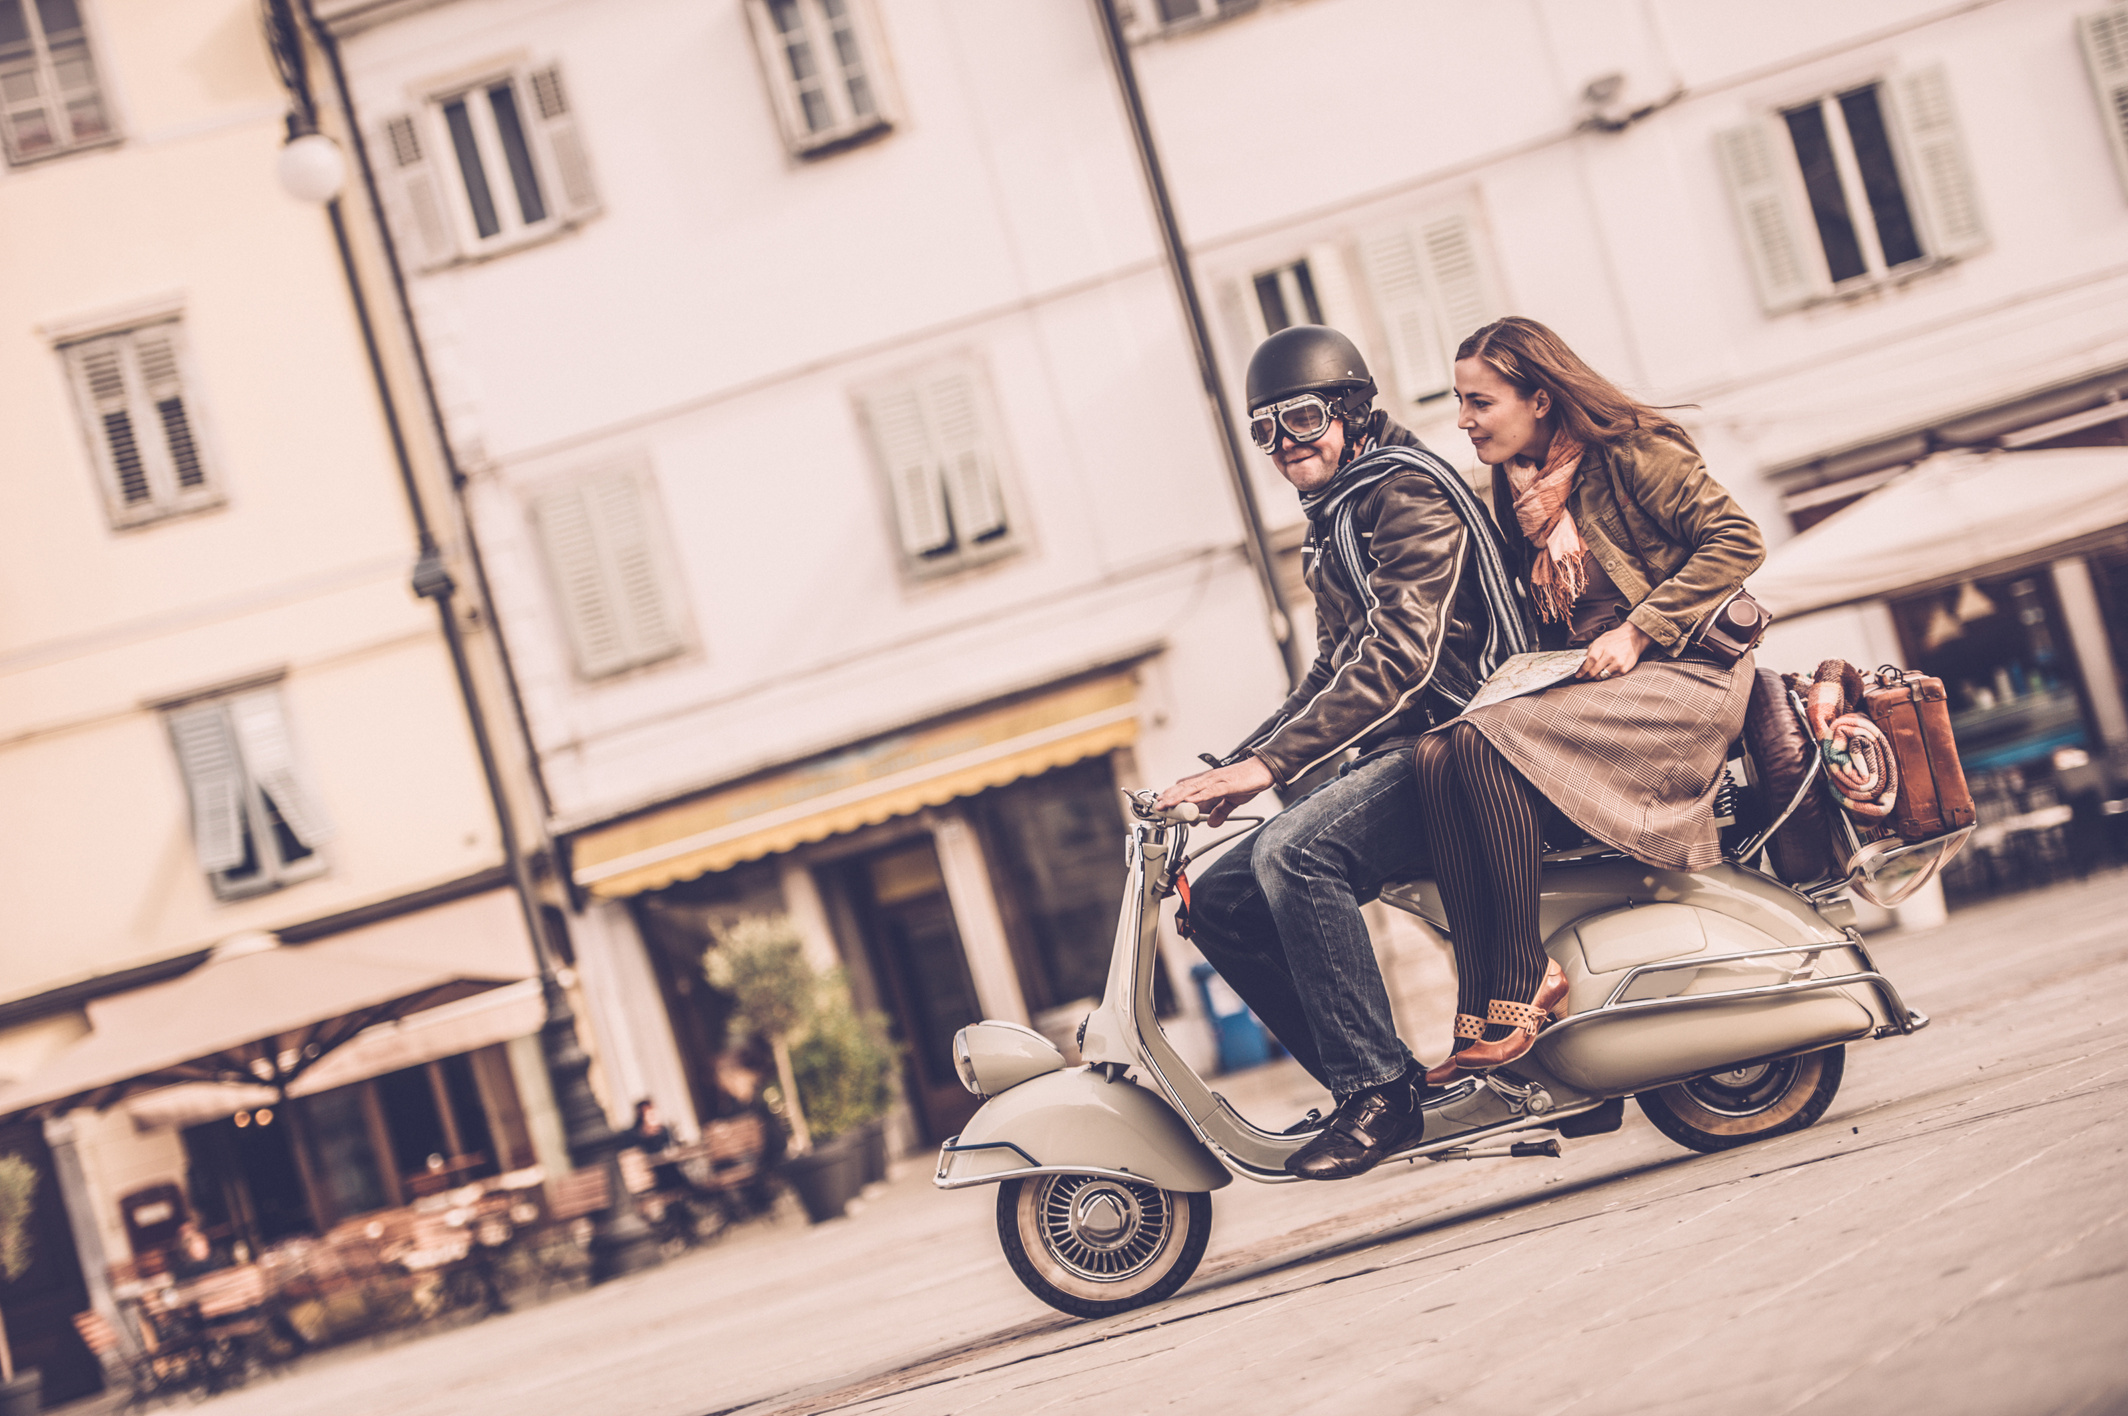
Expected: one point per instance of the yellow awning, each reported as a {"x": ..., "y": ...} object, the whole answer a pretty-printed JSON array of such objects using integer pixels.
[{"x": 858, "y": 786}]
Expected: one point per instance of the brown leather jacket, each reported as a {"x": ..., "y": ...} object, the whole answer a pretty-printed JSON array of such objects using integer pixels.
[
  {"x": 1671, "y": 539},
  {"x": 1393, "y": 654}
]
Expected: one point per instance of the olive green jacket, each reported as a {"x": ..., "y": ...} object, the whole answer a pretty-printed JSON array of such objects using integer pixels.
[{"x": 1671, "y": 539}]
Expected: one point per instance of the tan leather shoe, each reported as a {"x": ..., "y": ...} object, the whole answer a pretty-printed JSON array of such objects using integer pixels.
[
  {"x": 1469, "y": 1028},
  {"x": 1527, "y": 1019}
]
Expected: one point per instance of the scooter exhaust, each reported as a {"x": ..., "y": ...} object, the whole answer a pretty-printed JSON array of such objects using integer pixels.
[{"x": 1549, "y": 1148}]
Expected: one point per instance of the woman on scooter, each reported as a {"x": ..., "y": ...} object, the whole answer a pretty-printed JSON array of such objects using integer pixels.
[{"x": 1626, "y": 545}]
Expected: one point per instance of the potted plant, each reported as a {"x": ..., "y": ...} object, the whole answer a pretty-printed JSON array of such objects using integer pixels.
[
  {"x": 844, "y": 1067},
  {"x": 760, "y": 961},
  {"x": 19, "y": 1392}
]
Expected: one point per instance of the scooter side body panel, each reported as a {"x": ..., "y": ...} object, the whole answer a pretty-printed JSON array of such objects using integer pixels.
[
  {"x": 1606, "y": 918},
  {"x": 1075, "y": 1121}
]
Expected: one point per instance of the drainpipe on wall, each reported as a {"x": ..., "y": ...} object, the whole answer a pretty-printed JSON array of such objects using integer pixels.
[
  {"x": 621, "y": 1241},
  {"x": 1256, "y": 540}
]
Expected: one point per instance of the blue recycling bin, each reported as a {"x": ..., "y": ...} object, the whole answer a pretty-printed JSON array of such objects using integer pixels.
[{"x": 1242, "y": 1040}]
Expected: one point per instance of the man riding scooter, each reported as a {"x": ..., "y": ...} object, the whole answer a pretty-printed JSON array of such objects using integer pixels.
[{"x": 1414, "y": 609}]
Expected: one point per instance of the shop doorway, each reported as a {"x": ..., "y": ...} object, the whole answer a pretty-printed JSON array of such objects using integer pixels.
[
  {"x": 898, "y": 895},
  {"x": 45, "y": 1289}
]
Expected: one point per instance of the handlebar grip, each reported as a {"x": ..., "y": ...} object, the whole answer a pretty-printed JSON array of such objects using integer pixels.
[{"x": 1186, "y": 811}]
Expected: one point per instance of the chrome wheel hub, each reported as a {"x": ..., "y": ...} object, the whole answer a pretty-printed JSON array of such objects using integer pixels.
[
  {"x": 1101, "y": 1229},
  {"x": 1743, "y": 1091}
]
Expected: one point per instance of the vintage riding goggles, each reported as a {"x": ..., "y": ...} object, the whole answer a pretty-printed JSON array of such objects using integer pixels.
[{"x": 1304, "y": 419}]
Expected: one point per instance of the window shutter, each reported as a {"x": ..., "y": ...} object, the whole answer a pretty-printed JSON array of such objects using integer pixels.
[
  {"x": 2105, "y": 37},
  {"x": 262, "y": 737},
  {"x": 1244, "y": 324},
  {"x": 408, "y": 181},
  {"x": 964, "y": 455},
  {"x": 106, "y": 396},
  {"x": 1409, "y": 320},
  {"x": 214, "y": 779},
  {"x": 157, "y": 349},
  {"x": 905, "y": 454},
  {"x": 1757, "y": 168},
  {"x": 1462, "y": 284},
  {"x": 572, "y": 164},
  {"x": 1333, "y": 290},
  {"x": 608, "y": 576},
  {"x": 1935, "y": 151}
]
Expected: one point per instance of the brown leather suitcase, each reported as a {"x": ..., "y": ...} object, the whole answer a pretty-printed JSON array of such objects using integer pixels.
[{"x": 1910, "y": 708}]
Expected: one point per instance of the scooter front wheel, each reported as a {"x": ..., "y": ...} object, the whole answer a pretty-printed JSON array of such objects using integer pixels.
[
  {"x": 1723, "y": 1110},
  {"x": 1094, "y": 1246}
]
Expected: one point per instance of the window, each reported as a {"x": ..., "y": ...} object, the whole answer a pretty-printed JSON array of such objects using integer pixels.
[
  {"x": 936, "y": 447},
  {"x": 485, "y": 168},
  {"x": 2105, "y": 37},
  {"x": 256, "y": 824},
  {"x": 610, "y": 571},
  {"x": 143, "y": 434},
  {"x": 1840, "y": 192},
  {"x": 822, "y": 60},
  {"x": 1150, "y": 17},
  {"x": 50, "y": 101},
  {"x": 1433, "y": 288}
]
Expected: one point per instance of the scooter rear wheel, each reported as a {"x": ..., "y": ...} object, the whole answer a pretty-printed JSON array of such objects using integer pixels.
[
  {"x": 1094, "y": 1246},
  {"x": 1723, "y": 1110}
]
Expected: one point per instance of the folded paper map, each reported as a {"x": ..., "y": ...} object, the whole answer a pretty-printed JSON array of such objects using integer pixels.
[{"x": 1526, "y": 673}]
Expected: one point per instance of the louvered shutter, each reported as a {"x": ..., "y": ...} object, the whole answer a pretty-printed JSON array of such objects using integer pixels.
[
  {"x": 913, "y": 474},
  {"x": 2105, "y": 37},
  {"x": 1243, "y": 321},
  {"x": 270, "y": 760},
  {"x": 1462, "y": 283},
  {"x": 106, "y": 390},
  {"x": 572, "y": 164},
  {"x": 1402, "y": 300},
  {"x": 965, "y": 459},
  {"x": 627, "y": 535},
  {"x": 1757, "y": 167},
  {"x": 214, "y": 780},
  {"x": 1941, "y": 172},
  {"x": 156, "y": 348},
  {"x": 413, "y": 196},
  {"x": 609, "y": 578},
  {"x": 1333, "y": 290}
]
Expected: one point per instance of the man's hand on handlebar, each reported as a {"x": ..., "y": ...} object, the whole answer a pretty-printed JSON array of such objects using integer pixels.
[{"x": 1220, "y": 791}]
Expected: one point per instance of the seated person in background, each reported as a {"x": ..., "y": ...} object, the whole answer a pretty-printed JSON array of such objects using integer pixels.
[
  {"x": 195, "y": 1254},
  {"x": 1627, "y": 545}
]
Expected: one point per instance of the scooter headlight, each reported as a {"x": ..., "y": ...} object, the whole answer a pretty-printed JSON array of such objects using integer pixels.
[
  {"x": 963, "y": 1065},
  {"x": 991, "y": 1056}
]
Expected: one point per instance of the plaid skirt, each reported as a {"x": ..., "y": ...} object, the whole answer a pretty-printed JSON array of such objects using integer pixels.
[{"x": 1631, "y": 760}]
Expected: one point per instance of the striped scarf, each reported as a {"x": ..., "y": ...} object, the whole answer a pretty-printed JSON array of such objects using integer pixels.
[{"x": 1329, "y": 508}]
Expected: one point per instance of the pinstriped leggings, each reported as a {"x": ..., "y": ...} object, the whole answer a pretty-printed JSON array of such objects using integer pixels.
[{"x": 1483, "y": 835}]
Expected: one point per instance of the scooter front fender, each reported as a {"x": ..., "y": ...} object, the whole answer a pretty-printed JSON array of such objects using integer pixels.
[{"x": 1075, "y": 1122}]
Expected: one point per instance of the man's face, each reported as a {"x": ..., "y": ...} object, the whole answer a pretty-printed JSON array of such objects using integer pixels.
[{"x": 1310, "y": 465}]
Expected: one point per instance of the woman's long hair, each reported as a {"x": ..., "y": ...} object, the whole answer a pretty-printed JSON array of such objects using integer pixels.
[{"x": 1589, "y": 407}]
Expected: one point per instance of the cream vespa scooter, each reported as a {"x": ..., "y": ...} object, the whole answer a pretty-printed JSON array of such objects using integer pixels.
[{"x": 1722, "y": 999}]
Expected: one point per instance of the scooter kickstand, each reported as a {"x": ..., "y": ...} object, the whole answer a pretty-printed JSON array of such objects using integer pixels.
[{"x": 1549, "y": 1149}]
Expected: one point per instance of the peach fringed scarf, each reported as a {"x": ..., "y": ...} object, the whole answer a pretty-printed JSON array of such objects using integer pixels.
[{"x": 1561, "y": 571}]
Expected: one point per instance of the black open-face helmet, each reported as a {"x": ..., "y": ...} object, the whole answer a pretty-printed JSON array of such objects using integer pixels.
[{"x": 1308, "y": 359}]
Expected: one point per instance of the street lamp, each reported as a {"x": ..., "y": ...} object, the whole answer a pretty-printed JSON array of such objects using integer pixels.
[{"x": 311, "y": 167}]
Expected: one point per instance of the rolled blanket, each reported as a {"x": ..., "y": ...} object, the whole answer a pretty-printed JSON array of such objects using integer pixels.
[{"x": 1858, "y": 757}]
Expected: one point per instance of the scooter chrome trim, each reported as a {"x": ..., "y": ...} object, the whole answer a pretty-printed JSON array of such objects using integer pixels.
[
  {"x": 1033, "y": 1167},
  {"x": 1730, "y": 995}
]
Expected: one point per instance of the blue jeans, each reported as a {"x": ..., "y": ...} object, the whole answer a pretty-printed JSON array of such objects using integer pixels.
[{"x": 1279, "y": 917}]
